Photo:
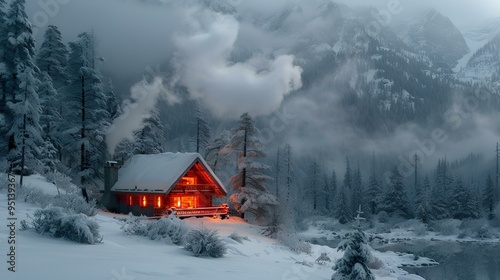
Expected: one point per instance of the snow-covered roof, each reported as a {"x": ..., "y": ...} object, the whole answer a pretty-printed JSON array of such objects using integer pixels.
[{"x": 158, "y": 173}]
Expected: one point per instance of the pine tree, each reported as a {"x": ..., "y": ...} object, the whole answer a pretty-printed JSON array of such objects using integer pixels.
[
  {"x": 286, "y": 178},
  {"x": 342, "y": 208},
  {"x": 53, "y": 57},
  {"x": 314, "y": 183},
  {"x": 50, "y": 119},
  {"x": 488, "y": 200},
  {"x": 333, "y": 191},
  {"x": 203, "y": 131},
  {"x": 373, "y": 190},
  {"x": 440, "y": 193},
  {"x": 5, "y": 114},
  {"x": 250, "y": 193},
  {"x": 50, "y": 122},
  {"x": 87, "y": 117},
  {"x": 25, "y": 105},
  {"x": 424, "y": 208},
  {"x": 348, "y": 175},
  {"x": 460, "y": 204},
  {"x": 124, "y": 150},
  {"x": 213, "y": 154},
  {"x": 357, "y": 190},
  {"x": 395, "y": 200},
  {"x": 150, "y": 139},
  {"x": 357, "y": 255},
  {"x": 114, "y": 109}
]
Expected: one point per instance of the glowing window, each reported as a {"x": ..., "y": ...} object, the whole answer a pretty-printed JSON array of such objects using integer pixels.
[
  {"x": 130, "y": 200},
  {"x": 188, "y": 180},
  {"x": 144, "y": 202},
  {"x": 158, "y": 202},
  {"x": 185, "y": 201}
]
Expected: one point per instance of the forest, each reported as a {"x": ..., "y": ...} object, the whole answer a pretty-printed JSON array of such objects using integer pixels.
[{"x": 58, "y": 111}]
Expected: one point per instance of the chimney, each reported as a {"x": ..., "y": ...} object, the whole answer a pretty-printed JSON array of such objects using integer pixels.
[{"x": 110, "y": 178}]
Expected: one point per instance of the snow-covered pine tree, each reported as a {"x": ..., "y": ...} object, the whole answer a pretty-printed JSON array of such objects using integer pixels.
[
  {"x": 357, "y": 190},
  {"x": 347, "y": 175},
  {"x": 342, "y": 207},
  {"x": 440, "y": 196},
  {"x": 488, "y": 197},
  {"x": 313, "y": 182},
  {"x": 213, "y": 155},
  {"x": 250, "y": 192},
  {"x": 25, "y": 130},
  {"x": 86, "y": 117},
  {"x": 373, "y": 190},
  {"x": 52, "y": 57},
  {"x": 287, "y": 179},
  {"x": 327, "y": 194},
  {"x": 333, "y": 189},
  {"x": 150, "y": 139},
  {"x": 4, "y": 110},
  {"x": 203, "y": 131},
  {"x": 395, "y": 200},
  {"x": 50, "y": 118},
  {"x": 50, "y": 122},
  {"x": 424, "y": 208},
  {"x": 357, "y": 255},
  {"x": 460, "y": 203},
  {"x": 114, "y": 109},
  {"x": 123, "y": 151}
]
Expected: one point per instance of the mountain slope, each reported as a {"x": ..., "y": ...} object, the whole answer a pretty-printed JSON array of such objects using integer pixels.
[{"x": 437, "y": 37}]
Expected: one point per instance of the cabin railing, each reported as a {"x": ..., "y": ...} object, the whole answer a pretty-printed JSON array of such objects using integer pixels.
[{"x": 214, "y": 211}]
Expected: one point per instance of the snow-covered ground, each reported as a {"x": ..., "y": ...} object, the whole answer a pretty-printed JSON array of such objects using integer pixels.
[{"x": 124, "y": 257}]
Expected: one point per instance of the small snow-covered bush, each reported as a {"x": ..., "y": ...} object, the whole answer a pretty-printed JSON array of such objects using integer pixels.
[
  {"x": 75, "y": 203},
  {"x": 60, "y": 180},
  {"x": 135, "y": 225},
  {"x": 34, "y": 196},
  {"x": 383, "y": 217},
  {"x": 323, "y": 259},
  {"x": 420, "y": 229},
  {"x": 293, "y": 242},
  {"x": 205, "y": 241},
  {"x": 237, "y": 237},
  {"x": 170, "y": 229},
  {"x": 71, "y": 202},
  {"x": 376, "y": 263},
  {"x": 496, "y": 213},
  {"x": 446, "y": 227},
  {"x": 75, "y": 227}
]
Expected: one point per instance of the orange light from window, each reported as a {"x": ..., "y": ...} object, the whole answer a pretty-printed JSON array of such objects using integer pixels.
[
  {"x": 130, "y": 200},
  {"x": 144, "y": 203},
  {"x": 188, "y": 180},
  {"x": 158, "y": 202}
]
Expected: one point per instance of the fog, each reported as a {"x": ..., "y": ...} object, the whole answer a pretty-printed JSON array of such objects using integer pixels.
[{"x": 231, "y": 64}]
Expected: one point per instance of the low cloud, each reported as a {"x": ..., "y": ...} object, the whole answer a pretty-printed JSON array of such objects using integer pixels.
[{"x": 257, "y": 85}]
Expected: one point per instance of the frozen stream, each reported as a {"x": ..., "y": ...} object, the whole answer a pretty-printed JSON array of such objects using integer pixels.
[{"x": 457, "y": 260}]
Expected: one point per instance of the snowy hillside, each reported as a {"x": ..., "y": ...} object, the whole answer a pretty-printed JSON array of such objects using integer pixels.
[
  {"x": 436, "y": 36},
  {"x": 121, "y": 256},
  {"x": 484, "y": 65}
]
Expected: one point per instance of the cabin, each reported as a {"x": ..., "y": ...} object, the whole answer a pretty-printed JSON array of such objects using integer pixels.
[{"x": 168, "y": 183}]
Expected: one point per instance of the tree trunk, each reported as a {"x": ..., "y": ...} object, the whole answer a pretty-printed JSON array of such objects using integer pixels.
[
  {"x": 23, "y": 151},
  {"x": 244, "y": 172},
  {"x": 82, "y": 134}
]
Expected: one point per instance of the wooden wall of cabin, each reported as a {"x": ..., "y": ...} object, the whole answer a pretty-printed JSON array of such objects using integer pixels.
[{"x": 154, "y": 204}]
